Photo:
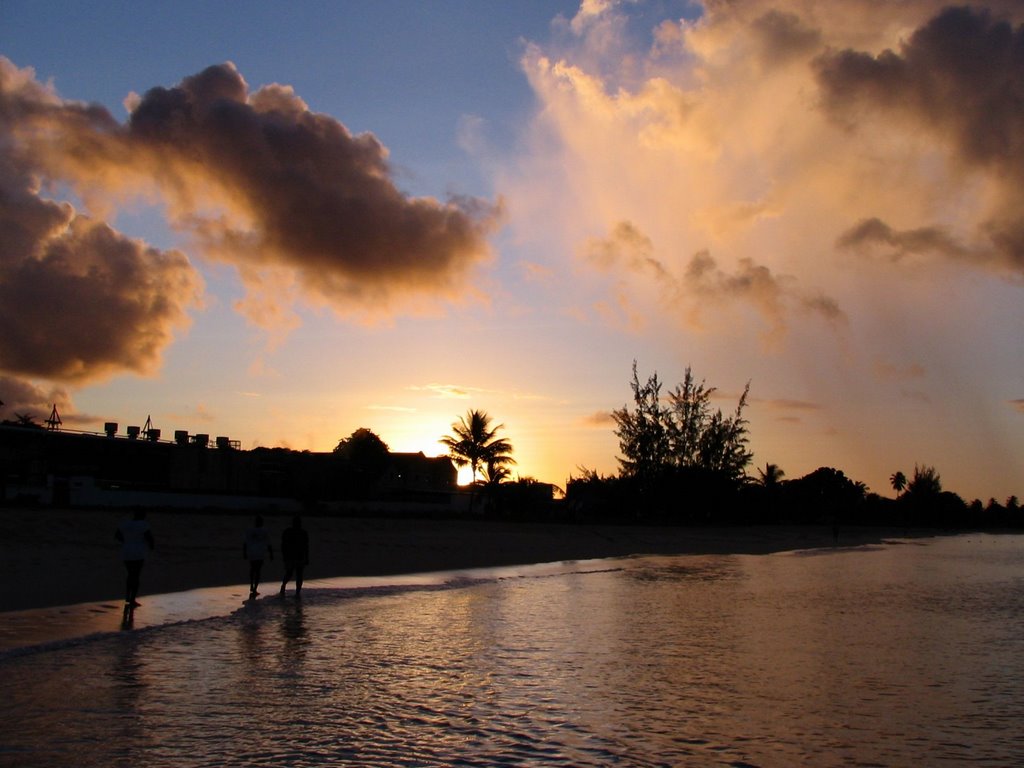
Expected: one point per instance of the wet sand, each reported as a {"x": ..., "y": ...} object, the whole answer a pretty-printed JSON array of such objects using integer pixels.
[{"x": 66, "y": 557}]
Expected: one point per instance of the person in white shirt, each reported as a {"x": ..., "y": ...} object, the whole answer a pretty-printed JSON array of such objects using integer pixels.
[
  {"x": 255, "y": 548},
  {"x": 136, "y": 539}
]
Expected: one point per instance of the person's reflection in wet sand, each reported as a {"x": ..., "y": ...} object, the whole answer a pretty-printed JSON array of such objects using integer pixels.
[
  {"x": 295, "y": 641},
  {"x": 128, "y": 675}
]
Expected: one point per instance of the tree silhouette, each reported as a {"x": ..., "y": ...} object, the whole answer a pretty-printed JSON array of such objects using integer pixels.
[
  {"x": 364, "y": 459},
  {"x": 495, "y": 473},
  {"x": 926, "y": 482},
  {"x": 898, "y": 481},
  {"x": 474, "y": 443},
  {"x": 364, "y": 450},
  {"x": 687, "y": 434},
  {"x": 770, "y": 475},
  {"x": 644, "y": 432}
]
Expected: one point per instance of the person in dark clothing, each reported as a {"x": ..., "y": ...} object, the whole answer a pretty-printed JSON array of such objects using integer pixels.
[{"x": 295, "y": 553}]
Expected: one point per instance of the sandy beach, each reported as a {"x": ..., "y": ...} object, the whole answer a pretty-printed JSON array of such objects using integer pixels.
[{"x": 63, "y": 557}]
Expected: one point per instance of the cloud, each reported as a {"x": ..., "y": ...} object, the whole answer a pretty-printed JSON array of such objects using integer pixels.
[
  {"x": 777, "y": 138},
  {"x": 446, "y": 391},
  {"x": 536, "y": 273},
  {"x": 755, "y": 285},
  {"x": 899, "y": 371},
  {"x": 781, "y": 37},
  {"x": 960, "y": 77},
  {"x": 701, "y": 283},
  {"x": 308, "y": 194},
  {"x": 600, "y": 419},
  {"x": 24, "y": 398},
  {"x": 88, "y": 303},
  {"x": 874, "y": 236},
  {"x": 290, "y": 197},
  {"x": 787, "y": 405},
  {"x": 79, "y": 301},
  {"x": 915, "y": 395}
]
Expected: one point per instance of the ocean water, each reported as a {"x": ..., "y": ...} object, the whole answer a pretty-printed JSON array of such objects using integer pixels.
[{"x": 906, "y": 653}]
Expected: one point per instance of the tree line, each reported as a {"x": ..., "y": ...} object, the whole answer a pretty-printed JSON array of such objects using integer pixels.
[{"x": 683, "y": 461}]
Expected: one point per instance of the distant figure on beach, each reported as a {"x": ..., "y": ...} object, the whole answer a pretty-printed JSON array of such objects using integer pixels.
[
  {"x": 136, "y": 538},
  {"x": 295, "y": 553},
  {"x": 255, "y": 548}
]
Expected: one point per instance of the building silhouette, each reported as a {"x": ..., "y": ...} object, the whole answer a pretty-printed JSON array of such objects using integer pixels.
[{"x": 78, "y": 469}]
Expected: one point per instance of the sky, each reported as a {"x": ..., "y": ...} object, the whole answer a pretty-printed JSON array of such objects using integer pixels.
[{"x": 281, "y": 223}]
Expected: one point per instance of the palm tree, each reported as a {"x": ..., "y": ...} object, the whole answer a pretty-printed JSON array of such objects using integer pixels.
[
  {"x": 496, "y": 472},
  {"x": 474, "y": 443},
  {"x": 770, "y": 475},
  {"x": 899, "y": 482}
]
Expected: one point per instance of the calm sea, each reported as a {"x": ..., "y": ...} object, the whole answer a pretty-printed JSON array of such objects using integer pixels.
[{"x": 907, "y": 653}]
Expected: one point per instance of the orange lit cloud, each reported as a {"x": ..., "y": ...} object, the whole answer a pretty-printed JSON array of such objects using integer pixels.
[
  {"x": 22, "y": 398},
  {"x": 600, "y": 419},
  {"x": 79, "y": 301},
  {"x": 703, "y": 283},
  {"x": 817, "y": 176},
  {"x": 447, "y": 391},
  {"x": 779, "y": 141},
  {"x": 301, "y": 192},
  {"x": 303, "y": 208}
]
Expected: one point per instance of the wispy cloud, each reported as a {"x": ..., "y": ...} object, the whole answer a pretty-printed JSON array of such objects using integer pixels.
[
  {"x": 915, "y": 395},
  {"x": 200, "y": 413},
  {"x": 701, "y": 283},
  {"x": 781, "y": 403},
  {"x": 538, "y": 273},
  {"x": 789, "y": 411},
  {"x": 601, "y": 419},
  {"x": 899, "y": 371},
  {"x": 447, "y": 391}
]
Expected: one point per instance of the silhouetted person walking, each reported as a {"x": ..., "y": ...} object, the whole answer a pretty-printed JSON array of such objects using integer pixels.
[
  {"x": 136, "y": 538},
  {"x": 255, "y": 549},
  {"x": 295, "y": 553}
]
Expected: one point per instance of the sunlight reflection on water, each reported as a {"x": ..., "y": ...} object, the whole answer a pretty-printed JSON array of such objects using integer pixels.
[{"x": 904, "y": 654}]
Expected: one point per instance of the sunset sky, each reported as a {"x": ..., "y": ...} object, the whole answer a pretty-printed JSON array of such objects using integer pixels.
[{"x": 283, "y": 222}]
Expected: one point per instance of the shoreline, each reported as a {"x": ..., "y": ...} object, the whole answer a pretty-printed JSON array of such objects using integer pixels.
[{"x": 58, "y": 557}]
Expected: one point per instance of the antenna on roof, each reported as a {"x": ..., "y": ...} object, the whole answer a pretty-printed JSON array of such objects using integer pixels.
[
  {"x": 53, "y": 423},
  {"x": 151, "y": 432}
]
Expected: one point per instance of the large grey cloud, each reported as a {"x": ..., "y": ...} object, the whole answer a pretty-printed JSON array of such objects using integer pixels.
[
  {"x": 317, "y": 198},
  {"x": 961, "y": 77},
  {"x": 258, "y": 180},
  {"x": 255, "y": 179},
  {"x": 78, "y": 300}
]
